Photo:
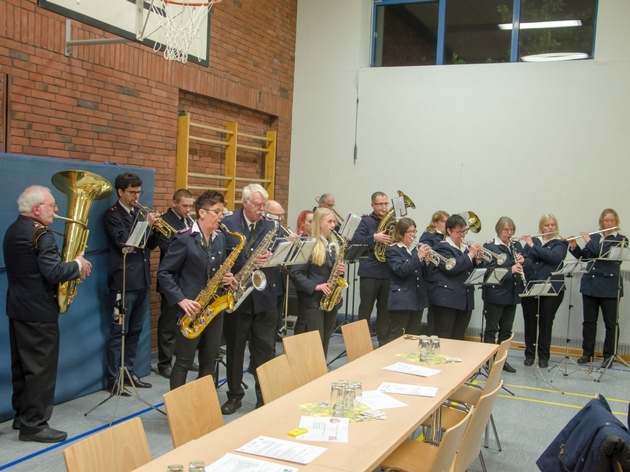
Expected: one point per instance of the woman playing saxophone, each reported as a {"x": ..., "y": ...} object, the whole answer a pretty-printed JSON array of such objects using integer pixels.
[
  {"x": 191, "y": 260},
  {"x": 312, "y": 280}
]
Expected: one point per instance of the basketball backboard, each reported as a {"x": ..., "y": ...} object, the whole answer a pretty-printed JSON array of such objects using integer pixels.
[{"x": 130, "y": 19}]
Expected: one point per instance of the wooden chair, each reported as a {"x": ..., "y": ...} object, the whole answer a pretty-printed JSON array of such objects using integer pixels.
[
  {"x": 471, "y": 443},
  {"x": 504, "y": 347},
  {"x": 193, "y": 410},
  {"x": 306, "y": 357},
  {"x": 425, "y": 457},
  {"x": 121, "y": 448},
  {"x": 275, "y": 378},
  {"x": 356, "y": 337}
]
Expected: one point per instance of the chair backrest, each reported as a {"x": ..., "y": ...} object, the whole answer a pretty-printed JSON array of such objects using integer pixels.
[
  {"x": 193, "y": 410},
  {"x": 450, "y": 443},
  {"x": 357, "y": 339},
  {"x": 471, "y": 443},
  {"x": 121, "y": 448},
  {"x": 306, "y": 356},
  {"x": 494, "y": 376},
  {"x": 275, "y": 378},
  {"x": 504, "y": 346}
]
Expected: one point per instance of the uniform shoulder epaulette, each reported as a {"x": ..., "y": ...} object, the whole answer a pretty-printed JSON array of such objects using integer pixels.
[
  {"x": 113, "y": 208},
  {"x": 182, "y": 231},
  {"x": 38, "y": 231}
]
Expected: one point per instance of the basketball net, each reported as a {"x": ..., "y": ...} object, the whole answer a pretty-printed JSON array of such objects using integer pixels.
[{"x": 180, "y": 21}]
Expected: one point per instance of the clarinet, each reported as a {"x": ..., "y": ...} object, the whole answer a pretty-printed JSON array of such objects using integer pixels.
[{"x": 514, "y": 254}]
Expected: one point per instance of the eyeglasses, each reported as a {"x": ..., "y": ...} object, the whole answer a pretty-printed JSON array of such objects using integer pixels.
[
  {"x": 411, "y": 231},
  {"x": 260, "y": 204},
  {"x": 459, "y": 231},
  {"x": 135, "y": 193},
  {"x": 380, "y": 204},
  {"x": 51, "y": 205}
]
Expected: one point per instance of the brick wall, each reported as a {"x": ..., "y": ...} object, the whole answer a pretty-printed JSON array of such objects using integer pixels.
[{"x": 119, "y": 102}]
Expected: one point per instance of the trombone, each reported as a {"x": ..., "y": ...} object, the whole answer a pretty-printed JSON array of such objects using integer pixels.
[
  {"x": 162, "y": 227},
  {"x": 487, "y": 255},
  {"x": 340, "y": 219},
  {"x": 573, "y": 238}
]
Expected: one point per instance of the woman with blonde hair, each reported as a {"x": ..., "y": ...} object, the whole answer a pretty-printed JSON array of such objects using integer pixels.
[
  {"x": 311, "y": 279},
  {"x": 543, "y": 255}
]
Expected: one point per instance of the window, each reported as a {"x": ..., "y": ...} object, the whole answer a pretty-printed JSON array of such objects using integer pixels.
[{"x": 430, "y": 32}]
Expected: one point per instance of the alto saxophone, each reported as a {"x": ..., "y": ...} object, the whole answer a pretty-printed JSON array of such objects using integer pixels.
[
  {"x": 212, "y": 304},
  {"x": 338, "y": 283},
  {"x": 249, "y": 277}
]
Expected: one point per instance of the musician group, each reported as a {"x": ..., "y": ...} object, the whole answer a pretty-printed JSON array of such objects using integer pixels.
[{"x": 215, "y": 291}]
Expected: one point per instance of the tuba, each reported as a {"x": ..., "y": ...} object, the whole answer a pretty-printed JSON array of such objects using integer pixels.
[
  {"x": 387, "y": 224},
  {"x": 211, "y": 304},
  {"x": 474, "y": 223},
  {"x": 328, "y": 302},
  {"x": 82, "y": 188}
]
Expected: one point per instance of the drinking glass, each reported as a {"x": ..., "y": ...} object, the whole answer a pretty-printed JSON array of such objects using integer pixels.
[
  {"x": 423, "y": 348},
  {"x": 175, "y": 468},
  {"x": 358, "y": 391},
  {"x": 349, "y": 402},
  {"x": 435, "y": 344},
  {"x": 197, "y": 466}
]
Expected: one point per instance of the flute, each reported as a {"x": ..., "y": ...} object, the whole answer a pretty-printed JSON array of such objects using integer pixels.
[{"x": 573, "y": 238}]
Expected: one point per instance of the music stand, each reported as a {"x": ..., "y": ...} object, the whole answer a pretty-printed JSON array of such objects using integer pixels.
[
  {"x": 483, "y": 276},
  {"x": 615, "y": 253},
  {"x": 568, "y": 269},
  {"x": 540, "y": 288},
  {"x": 137, "y": 240}
]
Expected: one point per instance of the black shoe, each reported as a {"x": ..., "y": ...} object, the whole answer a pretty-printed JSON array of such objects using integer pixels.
[
  {"x": 607, "y": 362},
  {"x": 543, "y": 364},
  {"x": 137, "y": 382},
  {"x": 166, "y": 372},
  {"x": 46, "y": 435},
  {"x": 230, "y": 406},
  {"x": 528, "y": 361},
  {"x": 583, "y": 360},
  {"x": 195, "y": 367},
  {"x": 508, "y": 368},
  {"x": 17, "y": 424}
]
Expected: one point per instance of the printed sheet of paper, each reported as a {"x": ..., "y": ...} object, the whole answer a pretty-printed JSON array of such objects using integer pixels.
[
  {"x": 236, "y": 463},
  {"x": 324, "y": 428},
  {"x": 280, "y": 449},
  {"x": 380, "y": 401},
  {"x": 405, "y": 389},
  {"x": 412, "y": 369}
]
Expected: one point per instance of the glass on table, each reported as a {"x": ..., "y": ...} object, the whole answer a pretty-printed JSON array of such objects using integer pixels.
[
  {"x": 349, "y": 400},
  {"x": 435, "y": 345},
  {"x": 196, "y": 466},
  {"x": 358, "y": 391},
  {"x": 424, "y": 345},
  {"x": 336, "y": 403},
  {"x": 175, "y": 468}
]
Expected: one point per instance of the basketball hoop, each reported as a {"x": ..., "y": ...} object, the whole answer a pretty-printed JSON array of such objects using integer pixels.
[{"x": 180, "y": 21}]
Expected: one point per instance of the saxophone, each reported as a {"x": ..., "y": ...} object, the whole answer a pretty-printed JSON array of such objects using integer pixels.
[
  {"x": 212, "y": 304},
  {"x": 249, "y": 277},
  {"x": 328, "y": 302}
]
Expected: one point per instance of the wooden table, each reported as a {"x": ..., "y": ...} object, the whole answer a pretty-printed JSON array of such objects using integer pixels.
[{"x": 370, "y": 441}]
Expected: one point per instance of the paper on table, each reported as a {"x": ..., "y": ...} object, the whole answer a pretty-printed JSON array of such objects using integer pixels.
[
  {"x": 379, "y": 401},
  {"x": 324, "y": 428},
  {"x": 412, "y": 369},
  {"x": 405, "y": 389},
  {"x": 283, "y": 450},
  {"x": 236, "y": 463}
]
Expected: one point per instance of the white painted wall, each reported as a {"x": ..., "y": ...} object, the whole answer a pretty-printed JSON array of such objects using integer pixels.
[{"x": 499, "y": 139}]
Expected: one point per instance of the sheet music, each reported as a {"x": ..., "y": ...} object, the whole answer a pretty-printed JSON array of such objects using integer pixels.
[
  {"x": 280, "y": 449},
  {"x": 235, "y": 463},
  {"x": 138, "y": 235},
  {"x": 349, "y": 226},
  {"x": 406, "y": 389},
  {"x": 618, "y": 253},
  {"x": 304, "y": 253},
  {"x": 282, "y": 254},
  {"x": 412, "y": 369},
  {"x": 400, "y": 209},
  {"x": 496, "y": 276},
  {"x": 476, "y": 277},
  {"x": 324, "y": 429}
]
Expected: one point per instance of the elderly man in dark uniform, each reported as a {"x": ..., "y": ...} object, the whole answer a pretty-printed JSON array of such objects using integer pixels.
[
  {"x": 191, "y": 261},
  {"x": 256, "y": 318},
  {"x": 34, "y": 270},
  {"x": 374, "y": 274},
  {"x": 119, "y": 221},
  {"x": 178, "y": 217}
]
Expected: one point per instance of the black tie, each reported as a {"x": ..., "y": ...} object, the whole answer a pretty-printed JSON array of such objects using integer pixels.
[
  {"x": 250, "y": 238},
  {"x": 185, "y": 222},
  {"x": 133, "y": 213}
]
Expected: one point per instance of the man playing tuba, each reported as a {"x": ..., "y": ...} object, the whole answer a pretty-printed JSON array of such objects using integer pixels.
[{"x": 374, "y": 274}]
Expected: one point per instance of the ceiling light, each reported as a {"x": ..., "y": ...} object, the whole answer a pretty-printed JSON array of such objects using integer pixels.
[{"x": 543, "y": 24}]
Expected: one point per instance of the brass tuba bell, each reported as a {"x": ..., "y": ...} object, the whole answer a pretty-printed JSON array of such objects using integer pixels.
[
  {"x": 472, "y": 220},
  {"x": 387, "y": 224},
  {"x": 81, "y": 188}
]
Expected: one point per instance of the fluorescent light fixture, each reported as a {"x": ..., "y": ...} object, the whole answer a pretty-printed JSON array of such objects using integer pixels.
[
  {"x": 555, "y": 56},
  {"x": 543, "y": 24}
]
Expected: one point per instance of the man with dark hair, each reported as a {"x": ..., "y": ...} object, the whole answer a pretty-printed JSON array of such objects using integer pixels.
[
  {"x": 374, "y": 274},
  {"x": 194, "y": 257},
  {"x": 178, "y": 217},
  {"x": 34, "y": 271},
  {"x": 119, "y": 221}
]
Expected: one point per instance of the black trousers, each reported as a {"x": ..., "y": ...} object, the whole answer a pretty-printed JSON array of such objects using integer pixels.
[
  {"x": 408, "y": 320},
  {"x": 34, "y": 361},
  {"x": 238, "y": 327},
  {"x": 322, "y": 321},
  {"x": 499, "y": 320},
  {"x": 451, "y": 323},
  {"x": 371, "y": 291},
  {"x": 208, "y": 343},
  {"x": 548, "y": 308},
  {"x": 591, "y": 306},
  {"x": 166, "y": 333}
]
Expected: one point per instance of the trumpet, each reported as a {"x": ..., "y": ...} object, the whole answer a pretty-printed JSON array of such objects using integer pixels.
[
  {"x": 340, "y": 219},
  {"x": 163, "y": 228},
  {"x": 436, "y": 258},
  {"x": 573, "y": 238},
  {"x": 487, "y": 255}
]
